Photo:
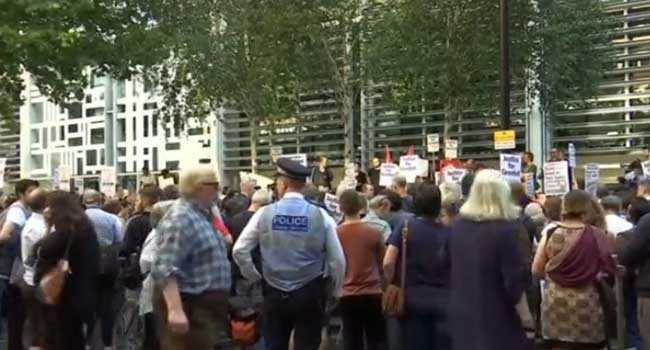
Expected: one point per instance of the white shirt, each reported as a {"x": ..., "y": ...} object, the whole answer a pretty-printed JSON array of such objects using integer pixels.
[
  {"x": 34, "y": 230},
  {"x": 616, "y": 224},
  {"x": 250, "y": 238},
  {"x": 16, "y": 216}
]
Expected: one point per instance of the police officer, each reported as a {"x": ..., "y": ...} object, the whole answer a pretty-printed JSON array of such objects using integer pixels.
[{"x": 301, "y": 257}]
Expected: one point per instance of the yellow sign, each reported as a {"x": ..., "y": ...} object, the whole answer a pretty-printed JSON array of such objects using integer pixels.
[{"x": 505, "y": 139}]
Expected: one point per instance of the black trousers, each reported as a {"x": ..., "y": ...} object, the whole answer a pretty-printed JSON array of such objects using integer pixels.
[
  {"x": 301, "y": 311},
  {"x": 363, "y": 322},
  {"x": 16, "y": 316},
  {"x": 110, "y": 295}
]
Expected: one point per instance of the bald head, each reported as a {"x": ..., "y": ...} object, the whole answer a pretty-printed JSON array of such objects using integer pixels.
[
  {"x": 92, "y": 197},
  {"x": 36, "y": 200}
]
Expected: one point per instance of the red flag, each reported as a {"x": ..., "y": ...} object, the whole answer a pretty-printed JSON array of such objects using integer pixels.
[
  {"x": 411, "y": 151},
  {"x": 389, "y": 156}
]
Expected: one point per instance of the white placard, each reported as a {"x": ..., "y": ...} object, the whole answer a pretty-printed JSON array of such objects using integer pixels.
[
  {"x": 572, "y": 155},
  {"x": 529, "y": 179},
  {"x": 646, "y": 169},
  {"x": 451, "y": 148},
  {"x": 332, "y": 204},
  {"x": 408, "y": 167},
  {"x": 63, "y": 178},
  {"x": 454, "y": 175},
  {"x": 511, "y": 167},
  {"x": 107, "y": 181},
  {"x": 299, "y": 158},
  {"x": 387, "y": 174},
  {"x": 165, "y": 182},
  {"x": 433, "y": 143},
  {"x": 350, "y": 178},
  {"x": 423, "y": 168},
  {"x": 592, "y": 178},
  {"x": 556, "y": 178},
  {"x": 276, "y": 152},
  {"x": 3, "y": 166}
]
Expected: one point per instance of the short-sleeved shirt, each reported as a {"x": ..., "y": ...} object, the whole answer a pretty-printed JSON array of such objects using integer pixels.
[
  {"x": 17, "y": 215},
  {"x": 427, "y": 257},
  {"x": 191, "y": 250},
  {"x": 364, "y": 251},
  {"x": 34, "y": 230}
]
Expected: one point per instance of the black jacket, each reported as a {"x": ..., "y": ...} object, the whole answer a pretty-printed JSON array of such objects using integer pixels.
[{"x": 636, "y": 255}]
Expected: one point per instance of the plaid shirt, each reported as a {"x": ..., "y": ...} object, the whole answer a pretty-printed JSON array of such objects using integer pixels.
[{"x": 191, "y": 250}]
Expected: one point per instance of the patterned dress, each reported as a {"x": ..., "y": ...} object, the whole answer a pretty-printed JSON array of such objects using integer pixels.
[{"x": 570, "y": 316}]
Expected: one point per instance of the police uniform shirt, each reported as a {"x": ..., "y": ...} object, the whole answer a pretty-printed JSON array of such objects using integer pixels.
[{"x": 292, "y": 235}]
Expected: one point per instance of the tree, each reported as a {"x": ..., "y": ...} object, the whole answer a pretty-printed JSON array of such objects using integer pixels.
[
  {"x": 57, "y": 40},
  {"x": 258, "y": 57},
  {"x": 444, "y": 54},
  {"x": 572, "y": 51}
]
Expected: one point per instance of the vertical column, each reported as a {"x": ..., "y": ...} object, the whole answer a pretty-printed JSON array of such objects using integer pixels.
[{"x": 25, "y": 130}]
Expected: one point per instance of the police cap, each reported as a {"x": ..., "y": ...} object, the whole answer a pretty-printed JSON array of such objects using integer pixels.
[{"x": 292, "y": 169}]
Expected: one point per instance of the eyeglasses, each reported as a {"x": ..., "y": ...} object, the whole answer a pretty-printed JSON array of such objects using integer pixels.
[{"x": 210, "y": 184}]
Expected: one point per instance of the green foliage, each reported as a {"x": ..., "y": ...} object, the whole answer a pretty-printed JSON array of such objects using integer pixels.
[
  {"x": 56, "y": 40},
  {"x": 444, "y": 54},
  {"x": 572, "y": 50}
]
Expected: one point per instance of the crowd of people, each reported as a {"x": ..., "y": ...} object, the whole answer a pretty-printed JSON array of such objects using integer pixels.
[{"x": 472, "y": 265}]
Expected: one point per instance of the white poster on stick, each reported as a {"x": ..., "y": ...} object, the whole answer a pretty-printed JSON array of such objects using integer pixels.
[
  {"x": 556, "y": 178},
  {"x": 592, "y": 178},
  {"x": 408, "y": 167},
  {"x": 387, "y": 174},
  {"x": 453, "y": 174},
  {"x": 332, "y": 204},
  {"x": 108, "y": 180},
  {"x": 65, "y": 174},
  {"x": 511, "y": 167}
]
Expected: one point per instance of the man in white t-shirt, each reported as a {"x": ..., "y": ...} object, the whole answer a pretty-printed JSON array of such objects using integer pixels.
[
  {"x": 14, "y": 219},
  {"x": 615, "y": 223}
]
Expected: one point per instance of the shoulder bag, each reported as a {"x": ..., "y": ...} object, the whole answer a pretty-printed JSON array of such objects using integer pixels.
[
  {"x": 52, "y": 283},
  {"x": 393, "y": 299}
]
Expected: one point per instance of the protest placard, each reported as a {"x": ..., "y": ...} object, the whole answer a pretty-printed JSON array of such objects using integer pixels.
[
  {"x": 556, "y": 178},
  {"x": 332, "y": 204},
  {"x": 63, "y": 178},
  {"x": 592, "y": 178},
  {"x": 572, "y": 155},
  {"x": 387, "y": 174},
  {"x": 529, "y": 183},
  {"x": 451, "y": 149},
  {"x": 453, "y": 174},
  {"x": 108, "y": 180},
  {"x": 408, "y": 167},
  {"x": 433, "y": 143},
  {"x": 511, "y": 167}
]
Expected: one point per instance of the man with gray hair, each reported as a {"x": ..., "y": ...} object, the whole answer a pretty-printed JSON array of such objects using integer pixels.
[
  {"x": 379, "y": 207},
  {"x": 240, "y": 201},
  {"x": 110, "y": 232},
  {"x": 236, "y": 225},
  {"x": 108, "y": 227},
  {"x": 191, "y": 269}
]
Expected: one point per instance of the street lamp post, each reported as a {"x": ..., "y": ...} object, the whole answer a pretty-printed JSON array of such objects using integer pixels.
[{"x": 505, "y": 65}]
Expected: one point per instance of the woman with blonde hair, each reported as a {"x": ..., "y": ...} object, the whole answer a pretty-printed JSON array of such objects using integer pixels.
[
  {"x": 488, "y": 274},
  {"x": 571, "y": 257}
]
